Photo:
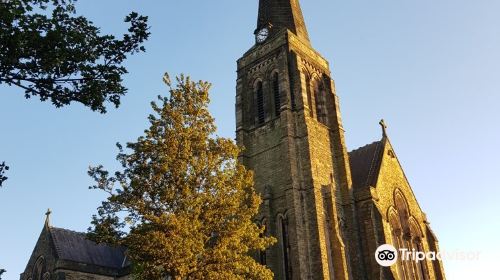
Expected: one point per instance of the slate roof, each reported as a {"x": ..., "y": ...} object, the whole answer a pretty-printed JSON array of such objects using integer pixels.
[
  {"x": 365, "y": 164},
  {"x": 74, "y": 246}
]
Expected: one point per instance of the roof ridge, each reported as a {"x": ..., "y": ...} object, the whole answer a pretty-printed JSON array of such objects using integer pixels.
[
  {"x": 373, "y": 163},
  {"x": 68, "y": 230},
  {"x": 365, "y": 146}
]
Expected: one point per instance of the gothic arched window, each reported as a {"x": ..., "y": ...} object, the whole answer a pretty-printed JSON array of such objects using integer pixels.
[
  {"x": 397, "y": 239},
  {"x": 328, "y": 226},
  {"x": 407, "y": 234},
  {"x": 406, "y": 242},
  {"x": 320, "y": 98},
  {"x": 285, "y": 245},
  {"x": 402, "y": 208},
  {"x": 417, "y": 235},
  {"x": 260, "y": 103},
  {"x": 38, "y": 269},
  {"x": 263, "y": 253},
  {"x": 276, "y": 93},
  {"x": 309, "y": 97}
]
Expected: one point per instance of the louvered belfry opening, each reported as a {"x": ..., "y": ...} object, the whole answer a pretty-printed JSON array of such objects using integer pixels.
[
  {"x": 260, "y": 104},
  {"x": 277, "y": 97}
]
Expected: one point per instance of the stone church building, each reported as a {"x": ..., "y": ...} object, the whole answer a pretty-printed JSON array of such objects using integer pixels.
[{"x": 330, "y": 209}]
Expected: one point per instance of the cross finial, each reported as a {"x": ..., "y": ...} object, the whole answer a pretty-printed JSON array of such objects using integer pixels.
[
  {"x": 47, "y": 217},
  {"x": 384, "y": 127}
]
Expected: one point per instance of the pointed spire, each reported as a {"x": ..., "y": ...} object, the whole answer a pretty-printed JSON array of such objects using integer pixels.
[
  {"x": 279, "y": 14},
  {"x": 47, "y": 217},
  {"x": 384, "y": 128}
]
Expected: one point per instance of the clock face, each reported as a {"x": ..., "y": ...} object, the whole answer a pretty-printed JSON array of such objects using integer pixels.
[{"x": 262, "y": 35}]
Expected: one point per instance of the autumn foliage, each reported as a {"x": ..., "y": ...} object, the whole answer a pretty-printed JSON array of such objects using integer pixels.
[{"x": 182, "y": 204}]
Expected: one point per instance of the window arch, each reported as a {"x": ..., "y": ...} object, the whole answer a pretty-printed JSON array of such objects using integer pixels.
[
  {"x": 276, "y": 94},
  {"x": 259, "y": 91},
  {"x": 39, "y": 269},
  {"x": 402, "y": 208}
]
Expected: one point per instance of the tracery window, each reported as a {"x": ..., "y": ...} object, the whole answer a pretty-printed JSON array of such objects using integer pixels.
[{"x": 406, "y": 234}]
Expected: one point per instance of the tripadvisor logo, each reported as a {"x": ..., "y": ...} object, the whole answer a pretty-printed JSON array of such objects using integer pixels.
[{"x": 386, "y": 255}]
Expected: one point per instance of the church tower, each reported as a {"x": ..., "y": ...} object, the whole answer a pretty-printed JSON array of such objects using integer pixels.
[{"x": 288, "y": 122}]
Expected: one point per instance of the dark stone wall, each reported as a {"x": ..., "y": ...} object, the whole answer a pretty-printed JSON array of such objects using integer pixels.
[{"x": 295, "y": 156}]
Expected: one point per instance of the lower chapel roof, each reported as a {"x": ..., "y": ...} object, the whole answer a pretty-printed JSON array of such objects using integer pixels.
[{"x": 74, "y": 246}]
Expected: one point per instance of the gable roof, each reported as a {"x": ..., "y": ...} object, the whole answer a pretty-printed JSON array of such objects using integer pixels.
[
  {"x": 74, "y": 246},
  {"x": 365, "y": 164}
]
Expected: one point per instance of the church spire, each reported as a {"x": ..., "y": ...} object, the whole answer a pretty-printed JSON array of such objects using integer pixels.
[{"x": 279, "y": 14}]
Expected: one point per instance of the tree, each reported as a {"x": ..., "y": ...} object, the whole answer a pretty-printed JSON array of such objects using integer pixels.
[
  {"x": 3, "y": 168},
  {"x": 183, "y": 205},
  {"x": 63, "y": 57},
  {"x": 2, "y": 271},
  {"x": 58, "y": 56}
]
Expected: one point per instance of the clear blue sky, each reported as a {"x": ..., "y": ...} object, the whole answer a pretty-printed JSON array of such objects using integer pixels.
[{"x": 430, "y": 68}]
